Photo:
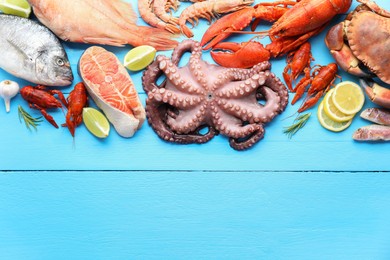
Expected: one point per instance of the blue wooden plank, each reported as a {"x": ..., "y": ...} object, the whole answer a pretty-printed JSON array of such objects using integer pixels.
[{"x": 192, "y": 215}]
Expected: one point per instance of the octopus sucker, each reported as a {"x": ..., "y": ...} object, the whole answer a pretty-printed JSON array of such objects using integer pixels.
[{"x": 200, "y": 95}]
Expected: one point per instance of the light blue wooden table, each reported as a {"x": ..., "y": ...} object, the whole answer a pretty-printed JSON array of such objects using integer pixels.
[{"x": 319, "y": 195}]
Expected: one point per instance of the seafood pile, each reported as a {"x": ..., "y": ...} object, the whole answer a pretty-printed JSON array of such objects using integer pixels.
[
  {"x": 293, "y": 25},
  {"x": 201, "y": 95},
  {"x": 291, "y": 28},
  {"x": 154, "y": 12},
  {"x": 360, "y": 46},
  {"x": 192, "y": 103}
]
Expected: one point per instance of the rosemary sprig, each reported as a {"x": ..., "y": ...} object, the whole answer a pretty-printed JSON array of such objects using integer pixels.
[
  {"x": 28, "y": 119},
  {"x": 299, "y": 122}
]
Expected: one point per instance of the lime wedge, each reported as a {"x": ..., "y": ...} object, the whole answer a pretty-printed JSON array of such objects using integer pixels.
[
  {"x": 16, "y": 7},
  {"x": 139, "y": 57},
  {"x": 96, "y": 122}
]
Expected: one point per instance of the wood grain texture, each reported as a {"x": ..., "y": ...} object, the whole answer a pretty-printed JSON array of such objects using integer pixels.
[
  {"x": 194, "y": 215},
  {"x": 319, "y": 195}
]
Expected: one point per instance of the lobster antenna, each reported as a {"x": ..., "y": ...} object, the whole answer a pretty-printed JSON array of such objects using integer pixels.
[{"x": 261, "y": 33}]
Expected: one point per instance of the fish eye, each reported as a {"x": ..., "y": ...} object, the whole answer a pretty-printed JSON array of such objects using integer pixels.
[{"x": 60, "y": 62}]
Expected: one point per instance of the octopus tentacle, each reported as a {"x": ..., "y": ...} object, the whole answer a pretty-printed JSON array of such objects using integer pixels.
[
  {"x": 234, "y": 128},
  {"x": 151, "y": 75},
  {"x": 252, "y": 139},
  {"x": 243, "y": 74},
  {"x": 188, "y": 122},
  {"x": 239, "y": 89},
  {"x": 173, "y": 75},
  {"x": 155, "y": 110},
  {"x": 175, "y": 99},
  {"x": 231, "y": 126},
  {"x": 155, "y": 114},
  {"x": 278, "y": 87},
  {"x": 255, "y": 113},
  {"x": 185, "y": 46}
]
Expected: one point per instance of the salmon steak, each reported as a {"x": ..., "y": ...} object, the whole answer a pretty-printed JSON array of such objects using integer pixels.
[{"x": 112, "y": 89}]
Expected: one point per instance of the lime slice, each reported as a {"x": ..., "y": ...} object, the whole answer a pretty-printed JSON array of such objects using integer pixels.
[
  {"x": 16, "y": 7},
  {"x": 139, "y": 57},
  {"x": 96, "y": 122},
  {"x": 328, "y": 123},
  {"x": 348, "y": 97},
  {"x": 331, "y": 110}
]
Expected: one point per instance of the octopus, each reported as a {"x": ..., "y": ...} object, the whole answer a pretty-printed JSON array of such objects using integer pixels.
[{"x": 199, "y": 100}]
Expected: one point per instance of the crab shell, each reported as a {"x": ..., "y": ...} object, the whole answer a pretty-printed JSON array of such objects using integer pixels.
[{"x": 369, "y": 39}]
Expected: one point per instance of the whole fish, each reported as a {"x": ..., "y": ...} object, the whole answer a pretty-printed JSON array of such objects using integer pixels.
[
  {"x": 377, "y": 115},
  {"x": 372, "y": 133},
  {"x": 32, "y": 52},
  {"x": 108, "y": 22}
]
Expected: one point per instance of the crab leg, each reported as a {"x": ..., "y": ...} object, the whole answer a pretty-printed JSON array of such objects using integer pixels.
[
  {"x": 334, "y": 40},
  {"x": 379, "y": 95},
  {"x": 376, "y": 8}
]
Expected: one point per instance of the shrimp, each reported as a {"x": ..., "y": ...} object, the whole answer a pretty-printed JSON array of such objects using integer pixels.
[
  {"x": 160, "y": 11},
  {"x": 208, "y": 10},
  {"x": 145, "y": 8}
]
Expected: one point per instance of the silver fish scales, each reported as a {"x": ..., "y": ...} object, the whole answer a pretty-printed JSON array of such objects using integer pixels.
[{"x": 32, "y": 52}]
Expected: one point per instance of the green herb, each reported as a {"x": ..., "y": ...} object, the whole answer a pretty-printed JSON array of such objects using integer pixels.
[
  {"x": 28, "y": 119},
  {"x": 299, "y": 122}
]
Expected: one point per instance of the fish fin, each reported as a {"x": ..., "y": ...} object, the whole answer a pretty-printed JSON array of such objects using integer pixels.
[
  {"x": 115, "y": 8},
  {"x": 125, "y": 10},
  {"x": 104, "y": 41},
  {"x": 158, "y": 38}
]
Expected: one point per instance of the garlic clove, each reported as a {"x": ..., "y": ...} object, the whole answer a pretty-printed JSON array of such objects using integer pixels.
[
  {"x": 8, "y": 89},
  {"x": 7, "y": 102}
]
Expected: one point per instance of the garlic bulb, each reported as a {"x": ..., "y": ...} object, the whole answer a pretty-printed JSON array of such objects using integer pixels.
[{"x": 8, "y": 89}]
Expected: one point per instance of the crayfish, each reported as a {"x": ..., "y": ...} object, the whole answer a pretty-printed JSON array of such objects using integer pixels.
[
  {"x": 320, "y": 81},
  {"x": 41, "y": 99},
  {"x": 76, "y": 100}
]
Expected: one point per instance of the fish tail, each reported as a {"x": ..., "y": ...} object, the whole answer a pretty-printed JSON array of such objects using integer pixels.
[{"x": 158, "y": 38}]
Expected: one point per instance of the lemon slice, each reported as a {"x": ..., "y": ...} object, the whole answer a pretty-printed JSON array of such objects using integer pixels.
[
  {"x": 331, "y": 110},
  {"x": 348, "y": 97},
  {"x": 139, "y": 57},
  {"x": 328, "y": 123},
  {"x": 96, "y": 122},
  {"x": 16, "y": 7}
]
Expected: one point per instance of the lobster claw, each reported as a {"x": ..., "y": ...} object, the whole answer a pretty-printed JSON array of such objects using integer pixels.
[
  {"x": 225, "y": 26},
  {"x": 243, "y": 55}
]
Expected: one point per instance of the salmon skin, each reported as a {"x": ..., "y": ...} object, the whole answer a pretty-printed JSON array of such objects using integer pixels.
[
  {"x": 377, "y": 115},
  {"x": 112, "y": 89},
  {"x": 372, "y": 133},
  {"x": 107, "y": 22}
]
